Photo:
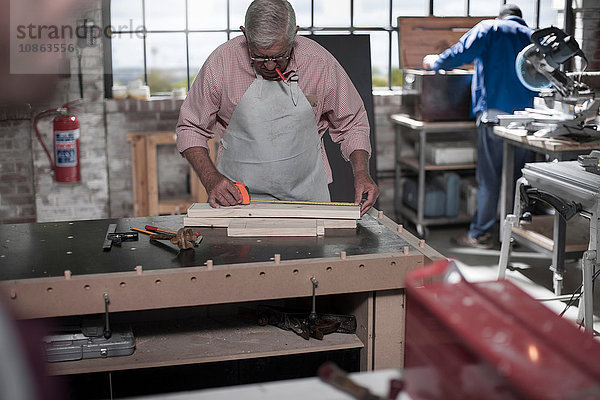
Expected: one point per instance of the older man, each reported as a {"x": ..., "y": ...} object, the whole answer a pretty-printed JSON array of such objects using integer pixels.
[{"x": 270, "y": 95}]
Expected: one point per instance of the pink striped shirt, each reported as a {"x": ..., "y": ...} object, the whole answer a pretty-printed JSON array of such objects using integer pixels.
[{"x": 227, "y": 74}]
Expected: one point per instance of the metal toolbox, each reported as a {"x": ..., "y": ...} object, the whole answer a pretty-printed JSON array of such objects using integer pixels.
[
  {"x": 72, "y": 343},
  {"x": 430, "y": 96}
]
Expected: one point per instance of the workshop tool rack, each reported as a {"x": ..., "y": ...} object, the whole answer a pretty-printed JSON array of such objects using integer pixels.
[
  {"x": 411, "y": 132},
  {"x": 58, "y": 270}
]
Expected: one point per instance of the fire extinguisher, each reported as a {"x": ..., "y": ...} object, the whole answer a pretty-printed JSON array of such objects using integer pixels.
[{"x": 65, "y": 166}]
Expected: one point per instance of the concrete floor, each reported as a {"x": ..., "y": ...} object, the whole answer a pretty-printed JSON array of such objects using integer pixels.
[{"x": 527, "y": 268}]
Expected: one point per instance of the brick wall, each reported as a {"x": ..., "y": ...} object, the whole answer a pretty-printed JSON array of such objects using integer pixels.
[
  {"x": 106, "y": 190},
  {"x": 17, "y": 202},
  {"x": 89, "y": 198},
  {"x": 588, "y": 29},
  {"x": 124, "y": 116}
]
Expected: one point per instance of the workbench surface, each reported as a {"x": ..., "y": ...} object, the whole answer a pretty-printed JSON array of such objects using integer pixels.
[
  {"x": 59, "y": 269},
  {"x": 40, "y": 250}
]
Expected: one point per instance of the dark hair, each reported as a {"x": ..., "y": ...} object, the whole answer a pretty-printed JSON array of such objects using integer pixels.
[{"x": 508, "y": 10}]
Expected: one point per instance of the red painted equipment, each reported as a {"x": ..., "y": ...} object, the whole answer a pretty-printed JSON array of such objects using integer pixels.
[
  {"x": 490, "y": 340},
  {"x": 66, "y": 163}
]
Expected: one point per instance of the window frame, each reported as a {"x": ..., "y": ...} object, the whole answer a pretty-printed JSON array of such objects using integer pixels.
[{"x": 391, "y": 28}]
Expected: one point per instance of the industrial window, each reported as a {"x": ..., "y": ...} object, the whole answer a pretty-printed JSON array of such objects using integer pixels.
[{"x": 165, "y": 44}]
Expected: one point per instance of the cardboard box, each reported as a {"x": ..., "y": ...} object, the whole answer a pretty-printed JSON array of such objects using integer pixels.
[{"x": 445, "y": 153}]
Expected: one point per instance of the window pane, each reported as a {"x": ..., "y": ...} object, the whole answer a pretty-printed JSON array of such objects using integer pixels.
[
  {"x": 201, "y": 45},
  {"x": 446, "y": 8},
  {"x": 165, "y": 17},
  {"x": 206, "y": 15},
  {"x": 379, "y": 58},
  {"x": 237, "y": 12},
  {"x": 302, "y": 9},
  {"x": 332, "y": 13},
  {"x": 127, "y": 58},
  {"x": 166, "y": 60},
  {"x": 409, "y": 8},
  {"x": 371, "y": 12},
  {"x": 485, "y": 8},
  {"x": 329, "y": 33},
  {"x": 549, "y": 14},
  {"x": 526, "y": 7},
  {"x": 126, "y": 15}
]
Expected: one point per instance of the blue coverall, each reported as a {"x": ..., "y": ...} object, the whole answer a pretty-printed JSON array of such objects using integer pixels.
[{"x": 493, "y": 45}]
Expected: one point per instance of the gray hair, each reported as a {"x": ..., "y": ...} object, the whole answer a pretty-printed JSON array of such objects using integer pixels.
[{"x": 268, "y": 21}]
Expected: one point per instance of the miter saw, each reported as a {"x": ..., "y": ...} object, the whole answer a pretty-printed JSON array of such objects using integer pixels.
[{"x": 565, "y": 106}]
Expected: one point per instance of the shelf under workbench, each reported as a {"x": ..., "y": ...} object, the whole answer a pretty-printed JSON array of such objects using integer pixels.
[{"x": 222, "y": 338}]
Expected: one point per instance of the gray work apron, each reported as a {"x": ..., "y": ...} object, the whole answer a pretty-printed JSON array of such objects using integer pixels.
[{"x": 272, "y": 144}]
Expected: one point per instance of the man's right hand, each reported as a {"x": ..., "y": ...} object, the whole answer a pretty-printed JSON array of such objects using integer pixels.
[{"x": 221, "y": 191}]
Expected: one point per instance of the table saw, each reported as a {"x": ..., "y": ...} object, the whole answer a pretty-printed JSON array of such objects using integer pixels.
[{"x": 59, "y": 269}]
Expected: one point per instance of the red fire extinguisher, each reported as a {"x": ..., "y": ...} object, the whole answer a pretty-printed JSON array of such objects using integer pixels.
[{"x": 65, "y": 165}]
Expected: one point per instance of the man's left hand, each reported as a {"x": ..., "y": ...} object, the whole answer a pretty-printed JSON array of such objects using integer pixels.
[
  {"x": 364, "y": 186},
  {"x": 429, "y": 60}
]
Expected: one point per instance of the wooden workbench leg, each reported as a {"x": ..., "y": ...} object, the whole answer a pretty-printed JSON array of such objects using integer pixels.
[
  {"x": 138, "y": 176},
  {"x": 388, "y": 346},
  {"x": 152, "y": 175}
]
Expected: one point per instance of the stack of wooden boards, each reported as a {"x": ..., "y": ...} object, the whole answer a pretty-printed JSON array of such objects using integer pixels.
[{"x": 273, "y": 219}]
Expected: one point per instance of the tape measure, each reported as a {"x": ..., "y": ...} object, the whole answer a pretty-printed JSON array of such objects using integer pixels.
[
  {"x": 246, "y": 199},
  {"x": 324, "y": 203}
]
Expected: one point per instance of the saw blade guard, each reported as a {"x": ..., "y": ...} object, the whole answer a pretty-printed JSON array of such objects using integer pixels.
[{"x": 528, "y": 73}]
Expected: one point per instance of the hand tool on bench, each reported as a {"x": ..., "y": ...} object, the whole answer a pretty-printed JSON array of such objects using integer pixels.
[
  {"x": 154, "y": 229},
  {"x": 116, "y": 238},
  {"x": 184, "y": 238},
  {"x": 244, "y": 191},
  {"x": 304, "y": 324}
]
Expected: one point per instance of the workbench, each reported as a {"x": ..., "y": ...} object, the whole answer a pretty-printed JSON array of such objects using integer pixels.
[
  {"x": 561, "y": 149},
  {"x": 58, "y": 269},
  {"x": 558, "y": 242},
  {"x": 410, "y": 130},
  {"x": 570, "y": 182}
]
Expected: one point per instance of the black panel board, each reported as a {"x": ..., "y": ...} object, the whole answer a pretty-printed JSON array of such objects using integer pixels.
[{"x": 353, "y": 52}]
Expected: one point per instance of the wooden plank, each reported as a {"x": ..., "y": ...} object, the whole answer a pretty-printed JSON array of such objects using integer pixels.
[
  {"x": 551, "y": 144},
  {"x": 224, "y": 222},
  {"x": 208, "y": 340},
  {"x": 320, "y": 227},
  {"x": 269, "y": 210},
  {"x": 540, "y": 231},
  {"x": 250, "y": 228},
  {"x": 419, "y": 36}
]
